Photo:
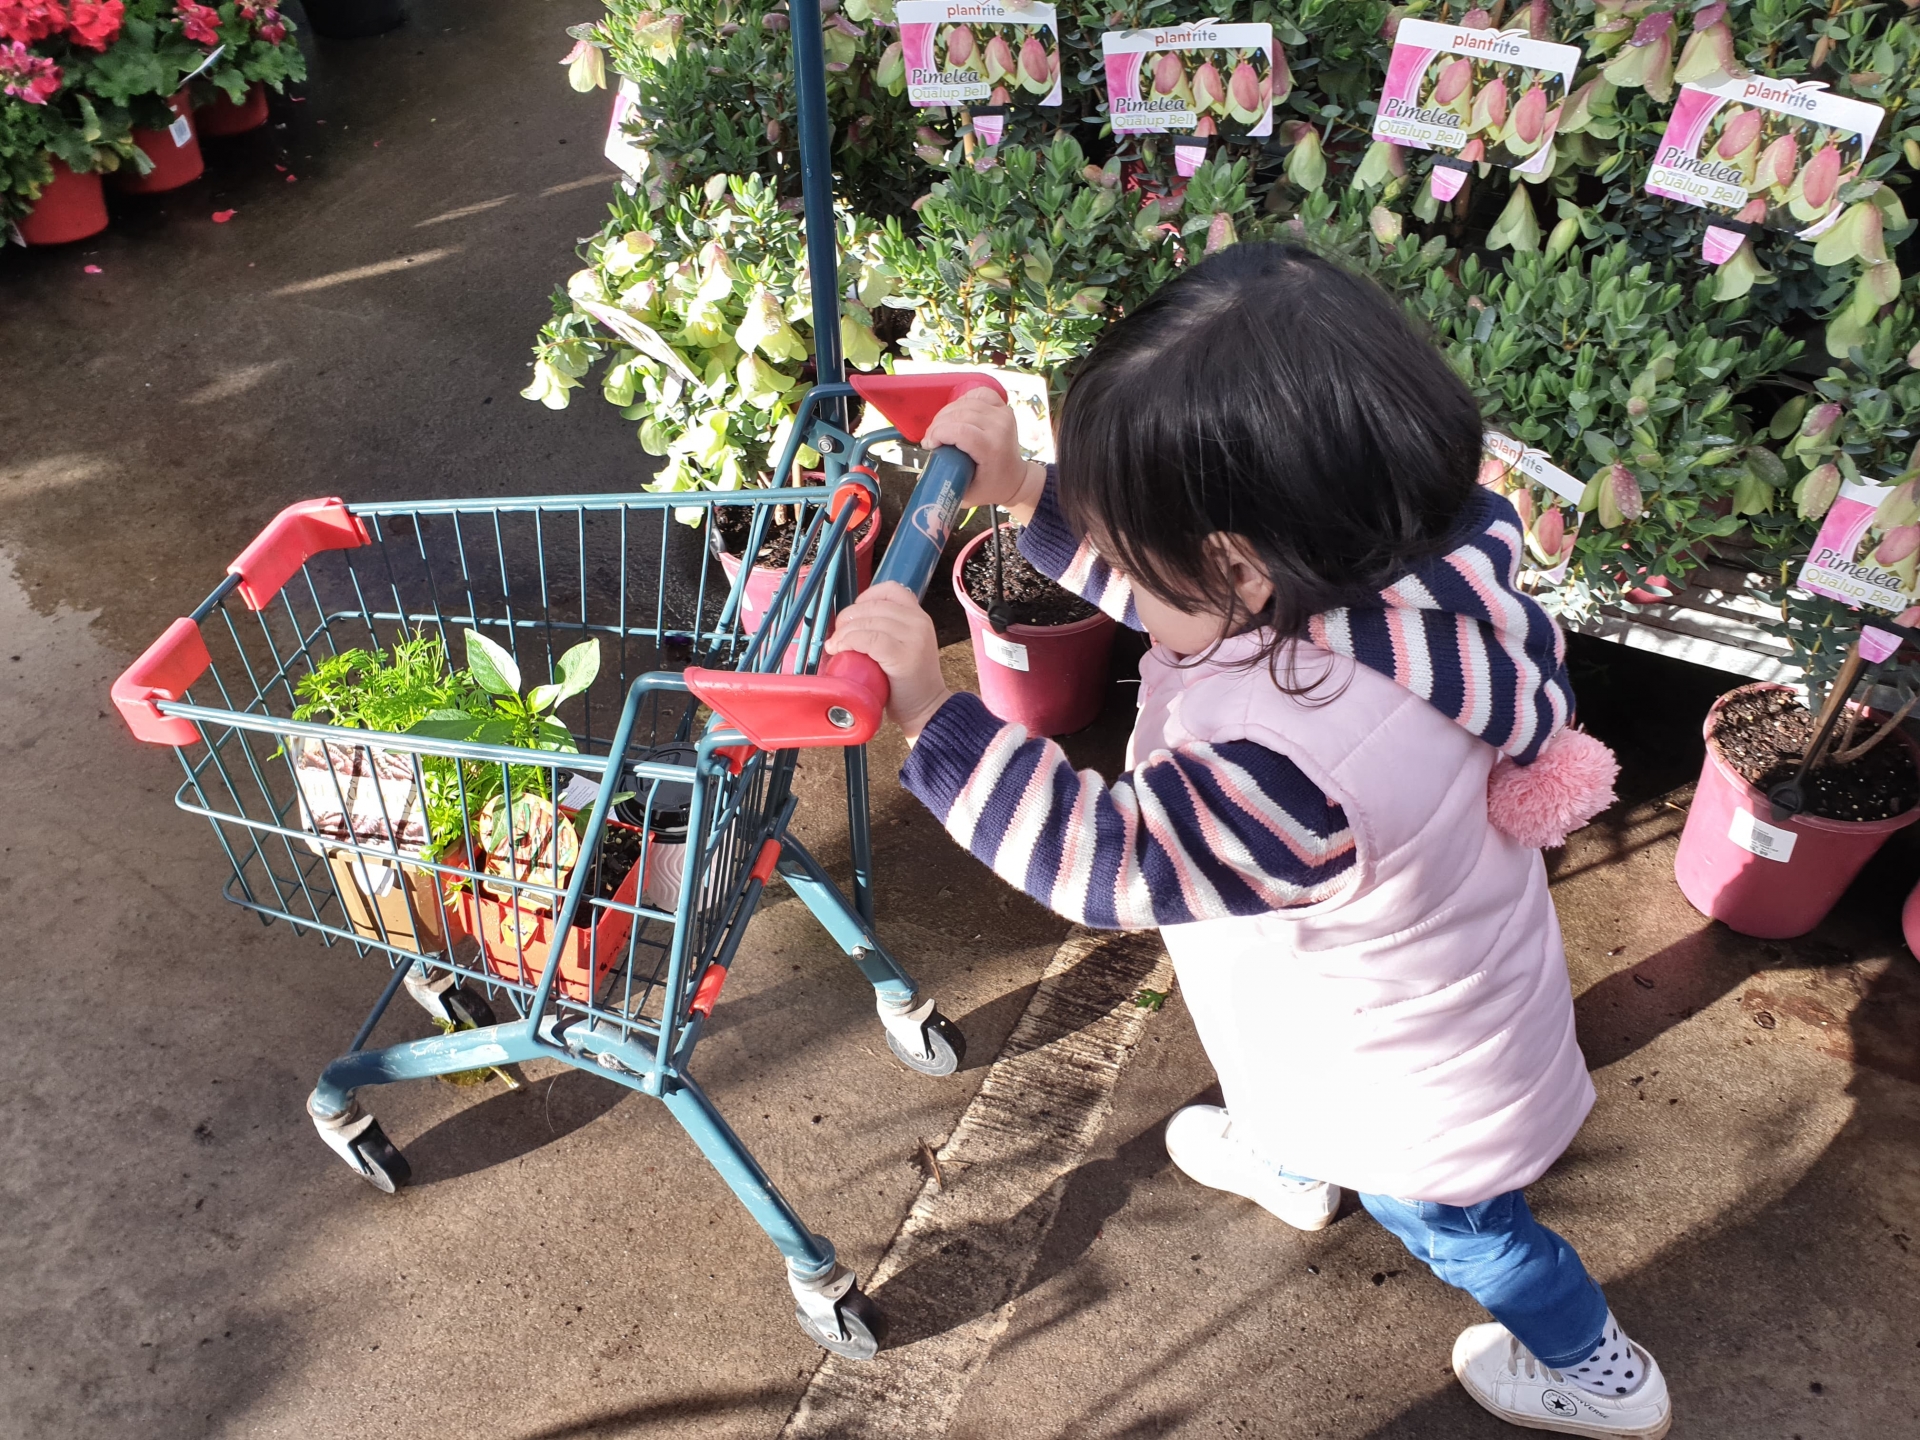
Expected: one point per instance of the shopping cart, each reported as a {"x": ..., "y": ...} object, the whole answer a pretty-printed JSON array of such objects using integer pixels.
[{"x": 561, "y": 861}]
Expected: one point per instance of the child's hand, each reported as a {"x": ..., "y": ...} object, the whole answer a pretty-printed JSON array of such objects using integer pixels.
[
  {"x": 888, "y": 625},
  {"x": 981, "y": 423}
]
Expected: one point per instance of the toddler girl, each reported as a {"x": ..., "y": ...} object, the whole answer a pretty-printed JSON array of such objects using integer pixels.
[{"x": 1353, "y": 737}]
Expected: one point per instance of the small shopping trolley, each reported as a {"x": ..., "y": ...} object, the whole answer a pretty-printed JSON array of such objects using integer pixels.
[{"x": 538, "y": 754}]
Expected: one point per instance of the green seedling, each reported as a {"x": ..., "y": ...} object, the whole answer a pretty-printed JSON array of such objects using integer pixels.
[{"x": 1151, "y": 999}]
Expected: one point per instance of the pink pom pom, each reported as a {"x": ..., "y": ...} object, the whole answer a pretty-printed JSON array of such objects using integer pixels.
[{"x": 1569, "y": 783}]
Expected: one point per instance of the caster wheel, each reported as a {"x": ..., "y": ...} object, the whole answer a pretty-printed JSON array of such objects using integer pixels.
[
  {"x": 387, "y": 1169},
  {"x": 469, "y": 1008},
  {"x": 864, "y": 1327},
  {"x": 946, "y": 1047}
]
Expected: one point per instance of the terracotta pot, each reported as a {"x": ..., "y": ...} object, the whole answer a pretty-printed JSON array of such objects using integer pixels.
[
  {"x": 1770, "y": 881},
  {"x": 353, "y": 19},
  {"x": 1049, "y": 678},
  {"x": 71, "y": 208},
  {"x": 764, "y": 581},
  {"x": 175, "y": 153},
  {"x": 220, "y": 116},
  {"x": 517, "y": 936}
]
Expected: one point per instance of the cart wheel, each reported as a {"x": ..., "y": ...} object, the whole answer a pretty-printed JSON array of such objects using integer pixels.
[
  {"x": 469, "y": 1008},
  {"x": 386, "y": 1168},
  {"x": 862, "y": 1325},
  {"x": 946, "y": 1047}
]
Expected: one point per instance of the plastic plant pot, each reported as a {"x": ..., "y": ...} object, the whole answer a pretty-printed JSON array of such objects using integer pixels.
[
  {"x": 1771, "y": 881},
  {"x": 764, "y": 581},
  {"x": 353, "y": 19},
  {"x": 220, "y": 116},
  {"x": 1910, "y": 920},
  {"x": 1049, "y": 678},
  {"x": 175, "y": 152},
  {"x": 71, "y": 208},
  {"x": 664, "y": 809},
  {"x": 518, "y": 940}
]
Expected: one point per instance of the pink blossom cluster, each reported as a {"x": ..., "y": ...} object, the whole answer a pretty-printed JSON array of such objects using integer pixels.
[
  {"x": 266, "y": 18},
  {"x": 92, "y": 23},
  {"x": 200, "y": 23},
  {"x": 27, "y": 76}
]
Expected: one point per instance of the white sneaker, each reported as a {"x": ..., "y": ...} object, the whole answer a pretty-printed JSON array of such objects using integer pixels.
[
  {"x": 1503, "y": 1376},
  {"x": 1200, "y": 1141}
]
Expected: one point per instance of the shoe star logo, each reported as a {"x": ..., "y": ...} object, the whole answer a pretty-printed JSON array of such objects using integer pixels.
[{"x": 1558, "y": 1404}]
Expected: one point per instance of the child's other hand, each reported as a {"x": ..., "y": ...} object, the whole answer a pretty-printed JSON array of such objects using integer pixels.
[
  {"x": 888, "y": 625},
  {"x": 981, "y": 423}
]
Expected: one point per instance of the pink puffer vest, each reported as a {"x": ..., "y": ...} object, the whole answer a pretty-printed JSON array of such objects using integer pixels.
[{"x": 1412, "y": 1036}]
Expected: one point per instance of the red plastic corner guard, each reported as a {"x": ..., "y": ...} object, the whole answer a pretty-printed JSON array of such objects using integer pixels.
[
  {"x": 708, "y": 992},
  {"x": 169, "y": 666},
  {"x": 293, "y": 537},
  {"x": 786, "y": 712},
  {"x": 911, "y": 401}
]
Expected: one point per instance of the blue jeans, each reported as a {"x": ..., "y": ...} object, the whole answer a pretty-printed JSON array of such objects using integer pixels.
[{"x": 1527, "y": 1277}]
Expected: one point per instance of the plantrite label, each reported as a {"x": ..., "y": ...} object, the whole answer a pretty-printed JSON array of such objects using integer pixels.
[
  {"x": 1202, "y": 79},
  {"x": 958, "y": 53},
  {"x": 1483, "y": 95}
]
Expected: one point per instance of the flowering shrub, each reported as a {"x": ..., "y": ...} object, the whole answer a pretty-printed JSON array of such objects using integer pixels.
[{"x": 1576, "y": 304}]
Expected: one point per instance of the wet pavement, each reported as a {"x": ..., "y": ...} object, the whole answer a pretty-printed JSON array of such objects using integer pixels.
[{"x": 183, "y": 1258}]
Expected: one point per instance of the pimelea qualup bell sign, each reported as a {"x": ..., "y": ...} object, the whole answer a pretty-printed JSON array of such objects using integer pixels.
[
  {"x": 1477, "y": 96},
  {"x": 1201, "y": 79},
  {"x": 961, "y": 53},
  {"x": 1771, "y": 154},
  {"x": 1867, "y": 554}
]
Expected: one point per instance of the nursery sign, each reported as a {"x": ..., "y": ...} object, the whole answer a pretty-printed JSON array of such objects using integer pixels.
[
  {"x": 1490, "y": 96},
  {"x": 1769, "y": 153},
  {"x": 990, "y": 51},
  {"x": 620, "y": 147},
  {"x": 1507, "y": 467},
  {"x": 1866, "y": 555},
  {"x": 1201, "y": 79}
]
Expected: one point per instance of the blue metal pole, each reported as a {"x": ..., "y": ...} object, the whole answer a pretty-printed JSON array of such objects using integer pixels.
[{"x": 816, "y": 193}]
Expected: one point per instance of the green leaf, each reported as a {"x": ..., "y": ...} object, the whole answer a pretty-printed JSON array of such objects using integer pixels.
[
  {"x": 493, "y": 668},
  {"x": 577, "y": 670}
]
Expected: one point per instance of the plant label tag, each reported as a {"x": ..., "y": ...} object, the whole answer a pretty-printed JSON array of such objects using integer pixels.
[
  {"x": 620, "y": 147},
  {"x": 1877, "y": 645},
  {"x": 1866, "y": 555},
  {"x": 1492, "y": 96},
  {"x": 182, "y": 131},
  {"x": 1774, "y": 153},
  {"x": 1199, "y": 79},
  {"x": 1003, "y": 651},
  {"x": 1507, "y": 467},
  {"x": 957, "y": 52},
  {"x": 1769, "y": 842}
]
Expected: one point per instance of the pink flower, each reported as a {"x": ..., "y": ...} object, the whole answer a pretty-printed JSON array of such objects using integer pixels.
[
  {"x": 200, "y": 23},
  {"x": 95, "y": 25},
  {"x": 25, "y": 21},
  {"x": 29, "y": 77}
]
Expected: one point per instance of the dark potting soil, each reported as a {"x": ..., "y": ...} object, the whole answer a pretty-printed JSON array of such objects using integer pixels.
[
  {"x": 1763, "y": 734},
  {"x": 619, "y": 853},
  {"x": 1031, "y": 598},
  {"x": 735, "y": 524}
]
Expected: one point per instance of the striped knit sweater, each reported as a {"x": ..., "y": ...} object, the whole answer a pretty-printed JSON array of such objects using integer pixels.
[{"x": 1202, "y": 832}]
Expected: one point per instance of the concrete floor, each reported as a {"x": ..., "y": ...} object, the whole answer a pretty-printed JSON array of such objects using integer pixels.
[{"x": 181, "y": 1256}]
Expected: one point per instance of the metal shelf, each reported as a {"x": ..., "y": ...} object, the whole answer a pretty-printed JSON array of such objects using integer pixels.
[{"x": 1717, "y": 621}]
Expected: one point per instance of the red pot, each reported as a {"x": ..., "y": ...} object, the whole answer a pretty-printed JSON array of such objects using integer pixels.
[
  {"x": 1762, "y": 879},
  {"x": 765, "y": 580},
  {"x": 175, "y": 153},
  {"x": 220, "y": 116},
  {"x": 1049, "y": 678},
  {"x": 1910, "y": 920},
  {"x": 72, "y": 207}
]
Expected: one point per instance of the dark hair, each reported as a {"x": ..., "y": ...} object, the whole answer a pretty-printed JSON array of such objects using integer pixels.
[{"x": 1270, "y": 393}]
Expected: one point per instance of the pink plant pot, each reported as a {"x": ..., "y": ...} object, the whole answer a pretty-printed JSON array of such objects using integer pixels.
[
  {"x": 1758, "y": 894},
  {"x": 1065, "y": 678},
  {"x": 1910, "y": 920},
  {"x": 176, "y": 161},
  {"x": 72, "y": 207},
  {"x": 220, "y": 116},
  {"x": 764, "y": 581}
]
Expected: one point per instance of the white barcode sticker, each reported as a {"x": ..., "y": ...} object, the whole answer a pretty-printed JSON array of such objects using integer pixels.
[
  {"x": 1769, "y": 842},
  {"x": 182, "y": 131},
  {"x": 1005, "y": 652}
]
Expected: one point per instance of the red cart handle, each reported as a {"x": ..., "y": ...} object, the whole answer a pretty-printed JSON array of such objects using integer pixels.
[
  {"x": 170, "y": 665},
  {"x": 293, "y": 537},
  {"x": 841, "y": 705}
]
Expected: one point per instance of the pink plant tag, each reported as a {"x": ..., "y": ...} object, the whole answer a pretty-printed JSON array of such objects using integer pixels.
[
  {"x": 1445, "y": 182},
  {"x": 960, "y": 51},
  {"x": 1199, "y": 79},
  {"x": 1490, "y": 96},
  {"x": 1718, "y": 245},
  {"x": 1877, "y": 645},
  {"x": 1767, "y": 152},
  {"x": 1188, "y": 158},
  {"x": 989, "y": 126}
]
